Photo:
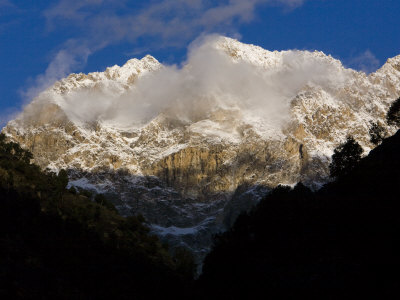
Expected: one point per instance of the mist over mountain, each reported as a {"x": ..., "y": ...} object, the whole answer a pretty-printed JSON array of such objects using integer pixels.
[
  {"x": 262, "y": 84},
  {"x": 192, "y": 146}
]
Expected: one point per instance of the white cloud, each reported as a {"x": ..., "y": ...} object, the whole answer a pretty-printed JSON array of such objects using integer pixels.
[{"x": 210, "y": 80}]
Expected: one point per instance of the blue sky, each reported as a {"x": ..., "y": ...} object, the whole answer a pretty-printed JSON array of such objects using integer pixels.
[{"x": 42, "y": 41}]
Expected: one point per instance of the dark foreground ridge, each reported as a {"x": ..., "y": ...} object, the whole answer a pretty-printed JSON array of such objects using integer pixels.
[
  {"x": 341, "y": 241},
  {"x": 338, "y": 242},
  {"x": 58, "y": 244}
]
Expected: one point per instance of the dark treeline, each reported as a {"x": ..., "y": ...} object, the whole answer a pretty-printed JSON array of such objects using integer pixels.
[
  {"x": 61, "y": 244},
  {"x": 338, "y": 242}
]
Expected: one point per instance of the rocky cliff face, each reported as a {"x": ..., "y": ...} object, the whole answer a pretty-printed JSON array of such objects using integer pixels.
[{"x": 182, "y": 172}]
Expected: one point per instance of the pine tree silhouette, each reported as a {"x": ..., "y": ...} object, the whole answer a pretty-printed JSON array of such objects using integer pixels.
[{"x": 346, "y": 156}]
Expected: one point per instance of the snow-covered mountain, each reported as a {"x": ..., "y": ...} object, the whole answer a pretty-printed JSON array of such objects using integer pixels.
[{"x": 190, "y": 147}]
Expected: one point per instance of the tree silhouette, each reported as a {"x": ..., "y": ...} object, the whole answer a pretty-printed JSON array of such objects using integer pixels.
[
  {"x": 377, "y": 133},
  {"x": 346, "y": 156},
  {"x": 393, "y": 115}
]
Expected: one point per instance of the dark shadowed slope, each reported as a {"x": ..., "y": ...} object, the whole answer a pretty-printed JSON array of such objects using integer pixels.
[
  {"x": 340, "y": 241},
  {"x": 58, "y": 244}
]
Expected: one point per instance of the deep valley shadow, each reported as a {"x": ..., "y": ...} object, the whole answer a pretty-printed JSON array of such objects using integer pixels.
[{"x": 339, "y": 242}]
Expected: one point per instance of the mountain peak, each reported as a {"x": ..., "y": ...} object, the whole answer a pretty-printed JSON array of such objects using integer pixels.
[
  {"x": 175, "y": 145},
  {"x": 394, "y": 63}
]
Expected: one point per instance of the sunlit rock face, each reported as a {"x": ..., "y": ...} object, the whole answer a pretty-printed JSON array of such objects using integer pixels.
[{"x": 175, "y": 143}]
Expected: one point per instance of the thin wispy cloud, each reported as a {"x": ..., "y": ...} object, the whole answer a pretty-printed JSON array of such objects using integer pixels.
[
  {"x": 7, "y": 7},
  {"x": 65, "y": 61},
  {"x": 164, "y": 23},
  {"x": 6, "y": 3},
  {"x": 366, "y": 62},
  {"x": 290, "y": 3},
  {"x": 172, "y": 21}
]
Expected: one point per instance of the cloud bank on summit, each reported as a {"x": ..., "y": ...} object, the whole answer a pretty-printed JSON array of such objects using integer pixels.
[
  {"x": 209, "y": 80},
  {"x": 88, "y": 35}
]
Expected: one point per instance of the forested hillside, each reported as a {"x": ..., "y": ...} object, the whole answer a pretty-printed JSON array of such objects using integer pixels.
[
  {"x": 60, "y": 244},
  {"x": 341, "y": 241}
]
